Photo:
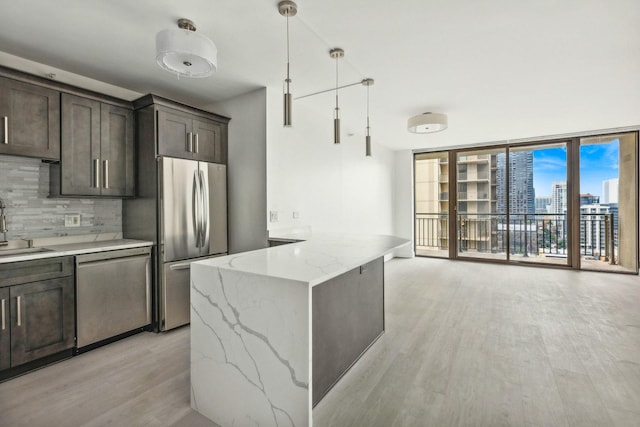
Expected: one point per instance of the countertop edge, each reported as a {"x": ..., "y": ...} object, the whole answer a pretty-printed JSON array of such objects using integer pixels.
[
  {"x": 69, "y": 250},
  {"x": 227, "y": 263}
]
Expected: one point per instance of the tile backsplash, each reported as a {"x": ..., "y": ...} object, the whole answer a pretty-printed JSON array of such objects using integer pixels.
[{"x": 24, "y": 188}]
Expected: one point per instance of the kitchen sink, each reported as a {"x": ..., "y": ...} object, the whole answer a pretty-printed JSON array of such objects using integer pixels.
[{"x": 23, "y": 251}]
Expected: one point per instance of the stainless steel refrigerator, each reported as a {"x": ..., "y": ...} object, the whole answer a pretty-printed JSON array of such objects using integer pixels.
[{"x": 192, "y": 226}]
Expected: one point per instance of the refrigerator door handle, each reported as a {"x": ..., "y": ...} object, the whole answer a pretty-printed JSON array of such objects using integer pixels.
[
  {"x": 195, "y": 202},
  {"x": 200, "y": 202},
  {"x": 205, "y": 208}
]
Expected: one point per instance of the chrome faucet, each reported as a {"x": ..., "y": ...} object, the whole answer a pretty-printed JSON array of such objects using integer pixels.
[{"x": 3, "y": 224}]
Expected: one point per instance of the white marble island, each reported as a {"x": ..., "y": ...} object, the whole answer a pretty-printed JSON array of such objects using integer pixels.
[{"x": 252, "y": 323}]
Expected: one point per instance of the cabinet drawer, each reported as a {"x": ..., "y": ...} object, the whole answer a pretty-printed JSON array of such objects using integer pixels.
[{"x": 14, "y": 273}]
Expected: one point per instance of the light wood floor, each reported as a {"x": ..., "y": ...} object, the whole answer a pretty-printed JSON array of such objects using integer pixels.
[{"x": 466, "y": 344}]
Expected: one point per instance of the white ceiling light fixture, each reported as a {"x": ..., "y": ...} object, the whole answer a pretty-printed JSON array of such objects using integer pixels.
[
  {"x": 427, "y": 123},
  {"x": 184, "y": 52}
]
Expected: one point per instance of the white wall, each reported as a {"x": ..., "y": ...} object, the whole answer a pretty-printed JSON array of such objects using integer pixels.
[
  {"x": 247, "y": 190},
  {"x": 403, "y": 200},
  {"x": 334, "y": 188}
]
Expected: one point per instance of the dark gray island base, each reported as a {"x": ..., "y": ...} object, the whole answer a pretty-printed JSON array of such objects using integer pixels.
[{"x": 347, "y": 317}]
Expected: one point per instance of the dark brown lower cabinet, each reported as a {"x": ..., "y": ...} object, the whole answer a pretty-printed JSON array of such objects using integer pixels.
[
  {"x": 42, "y": 319},
  {"x": 5, "y": 337},
  {"x": 38, "y": 318}
]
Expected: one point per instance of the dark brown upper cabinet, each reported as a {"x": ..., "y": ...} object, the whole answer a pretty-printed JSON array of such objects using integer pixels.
[
  {"x": 97, "y": 150},
  {"x": 29, "y": 120},
  {"x": 188, "y": 136}
]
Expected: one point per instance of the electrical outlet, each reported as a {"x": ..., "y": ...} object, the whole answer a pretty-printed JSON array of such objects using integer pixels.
[
  {"x": 296, "y": 215},
  {"x": 72, "y": 220},
  {"x": 273, "y": 216}
]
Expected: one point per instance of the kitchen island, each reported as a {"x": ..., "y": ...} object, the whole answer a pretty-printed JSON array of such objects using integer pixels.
[{"x": 273, "y": 329}]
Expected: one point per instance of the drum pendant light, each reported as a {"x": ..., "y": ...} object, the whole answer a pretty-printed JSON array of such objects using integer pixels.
[
  {"x": 287, "y": 8},
  {"x": 184, "y": 52},
  {"x": 336, "y": 54}
]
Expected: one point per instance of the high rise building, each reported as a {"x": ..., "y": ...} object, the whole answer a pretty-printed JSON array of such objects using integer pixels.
[
  {"x": 589, "y": 199},
  {"x": 592, "y": 229},
  {"x": 521, "y": 191},
  {"x": 559, "y": 197},
  {"x": 476, "y": 202},
  {"x": 610, "y": 191},
  {"x": 432, "y": 203},
  {"x": 543, "y": 204}
]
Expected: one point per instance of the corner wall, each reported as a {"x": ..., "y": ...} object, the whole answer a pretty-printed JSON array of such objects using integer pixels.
[
  {"x": 246, "y": 172},
  {"x": 403, "y": 201}
]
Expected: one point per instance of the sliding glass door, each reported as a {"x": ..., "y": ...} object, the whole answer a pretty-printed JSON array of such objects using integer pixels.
[
  {"x": 479, "y": 219},
  {"x": 432, "y": 204}
]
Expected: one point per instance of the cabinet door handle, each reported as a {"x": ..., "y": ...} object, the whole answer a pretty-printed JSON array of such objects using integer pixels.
[
  {"x": 190, "y": 142},
  {"x": 5, "y": 120},
  {"x": 195, "y": 146},
  {"x": 105, "y": 173},
  {"x": 4, "y": 323},
  {"x": 96, "y": 173},
  {"x": 19, "y": 303}
]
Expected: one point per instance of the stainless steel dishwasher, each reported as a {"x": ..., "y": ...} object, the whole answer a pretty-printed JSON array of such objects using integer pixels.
[{"x": 113, "y": 293}]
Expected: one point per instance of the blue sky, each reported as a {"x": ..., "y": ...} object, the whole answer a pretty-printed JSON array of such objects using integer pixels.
[{"x": 598, "y": 162}]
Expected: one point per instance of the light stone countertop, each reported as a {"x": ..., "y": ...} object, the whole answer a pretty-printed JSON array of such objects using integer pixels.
[
  {"x": 320, "y": 257},
  {"x": 77, "y": 248}
]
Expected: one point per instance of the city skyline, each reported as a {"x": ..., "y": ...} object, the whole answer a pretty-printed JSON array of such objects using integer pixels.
[{"x": 598, "y": 163}]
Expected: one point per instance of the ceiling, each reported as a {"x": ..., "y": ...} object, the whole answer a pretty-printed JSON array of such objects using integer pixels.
[{"x": 501, "y": 69}]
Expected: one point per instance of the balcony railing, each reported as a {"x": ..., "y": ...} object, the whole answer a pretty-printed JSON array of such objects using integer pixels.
[
  {"x": 521, "y": 234},
  {"x": 432, "y": 230},
  {"x": 597, "y": 236}
]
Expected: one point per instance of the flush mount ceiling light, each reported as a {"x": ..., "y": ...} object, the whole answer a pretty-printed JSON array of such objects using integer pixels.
[
  {"x": 184, "y": 52},
  {"x": 427, "y": 123}
]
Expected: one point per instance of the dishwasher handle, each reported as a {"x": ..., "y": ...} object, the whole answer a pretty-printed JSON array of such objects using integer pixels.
[
  {"x": 115, "y": 254},
  {"x": 181, "y": 266}
]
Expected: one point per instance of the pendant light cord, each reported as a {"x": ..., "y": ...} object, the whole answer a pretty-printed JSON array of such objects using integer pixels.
[
  {"x": 367, "y": 110},
  {"x": 337, "y": 86},
  {"x": 288, "y": 78}
]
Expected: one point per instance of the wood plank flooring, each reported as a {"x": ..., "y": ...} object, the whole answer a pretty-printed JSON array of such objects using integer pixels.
[{"x": 466, "y": 344}]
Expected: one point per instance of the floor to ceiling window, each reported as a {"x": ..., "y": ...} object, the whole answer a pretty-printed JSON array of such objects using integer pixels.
[
  {"x": 537, "y": 200},
  {"x": 478, "y": 218},
  {"x": 530, "y": 203},
  {"x": 608, "y": 203}
]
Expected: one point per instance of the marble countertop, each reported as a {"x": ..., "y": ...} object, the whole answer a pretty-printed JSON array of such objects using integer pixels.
[
  {"x": 315, "y": 260},
  {"x": 75, "y": 248}
]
